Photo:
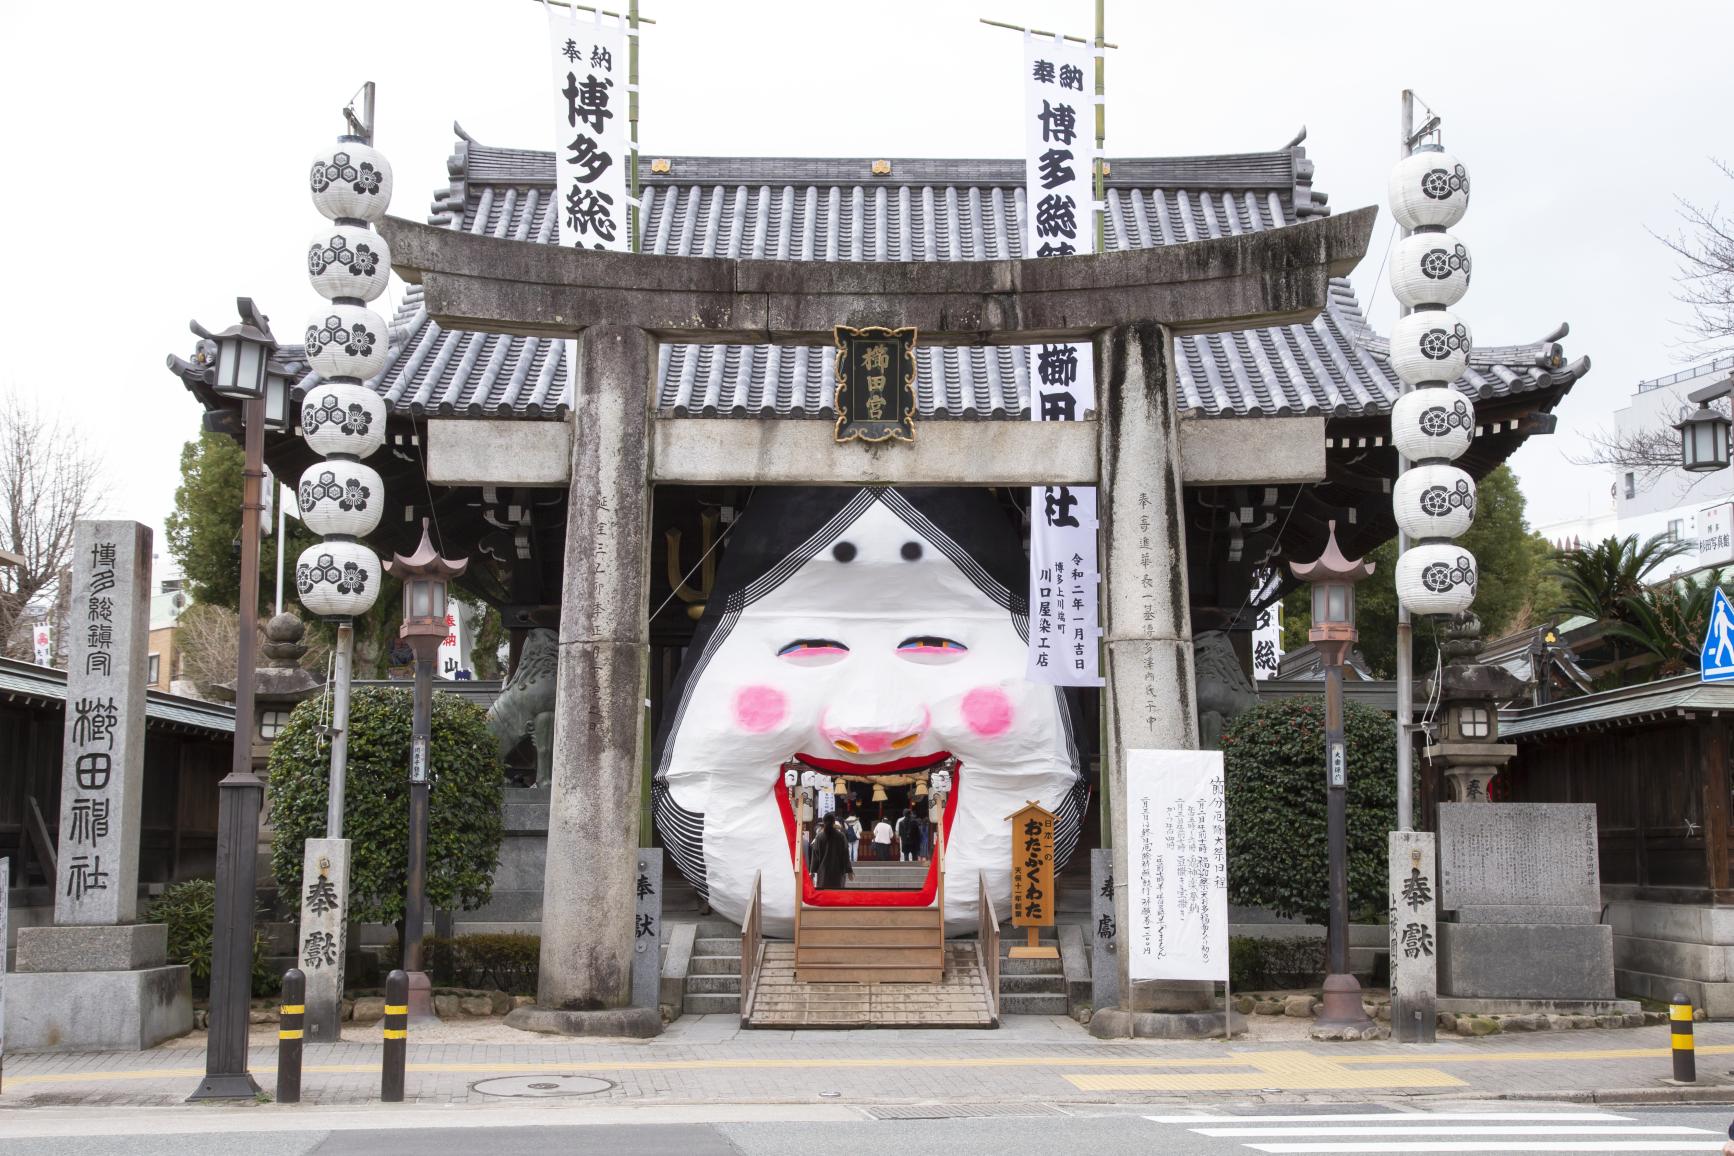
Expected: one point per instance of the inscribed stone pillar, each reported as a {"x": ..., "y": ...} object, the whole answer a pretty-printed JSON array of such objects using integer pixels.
[
  {"x": 1414, "y": 929},
  {"x": 647, "y": 930},
  {"x": 1104, "y": 940},
  {"x": 324, "y": 924},
  {"x": 1147, "y": 622},
  {"x": 102, "y": 767},
  {"x": 589, "y": 889}
]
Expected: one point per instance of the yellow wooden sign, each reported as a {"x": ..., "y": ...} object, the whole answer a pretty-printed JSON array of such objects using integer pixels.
[{"x": 1033, "y": 895}]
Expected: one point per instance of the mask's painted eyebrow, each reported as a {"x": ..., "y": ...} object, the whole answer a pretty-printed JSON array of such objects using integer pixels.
[{"x": 812, "y": 644}]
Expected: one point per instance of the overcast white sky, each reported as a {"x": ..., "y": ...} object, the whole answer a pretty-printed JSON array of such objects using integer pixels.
[{"x": 159, "y": 152}]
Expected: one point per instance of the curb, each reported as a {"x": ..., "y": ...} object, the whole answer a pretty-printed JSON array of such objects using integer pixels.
[{"x": 1706, "y": 1095}]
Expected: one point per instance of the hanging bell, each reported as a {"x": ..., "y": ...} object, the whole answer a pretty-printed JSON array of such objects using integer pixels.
[{"x": 879, "y": 795}]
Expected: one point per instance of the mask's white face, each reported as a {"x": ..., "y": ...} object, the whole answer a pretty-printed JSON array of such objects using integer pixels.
[{"x": 878, "y": 651}]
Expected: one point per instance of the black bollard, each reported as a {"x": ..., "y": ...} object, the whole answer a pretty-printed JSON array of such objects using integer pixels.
[
  {"x": 292, "y": 1018},
  {"x": 396, "y": 1028},
  {"x": 1685, "y": 1058}
]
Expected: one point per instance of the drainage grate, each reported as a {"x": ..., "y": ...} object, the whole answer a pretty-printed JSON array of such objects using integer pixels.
[
  {"x": 541, "y": 1087},
  {"x": 957, "y": 1111}
]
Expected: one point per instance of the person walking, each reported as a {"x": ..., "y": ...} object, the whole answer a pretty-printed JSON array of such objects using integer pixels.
[
  {"x": 852, "y": 833},
  {"x": 909, "y": 836},
  {"x": 831, "y": 857},
  {"x": 882, "y": 835}
]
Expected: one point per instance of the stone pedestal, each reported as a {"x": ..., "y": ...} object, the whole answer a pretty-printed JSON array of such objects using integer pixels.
[
  {"x": 1524, "y": 884},
  {"x": 92, "y": 989}
]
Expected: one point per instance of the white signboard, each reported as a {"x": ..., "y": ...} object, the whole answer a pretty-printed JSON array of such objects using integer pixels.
[
  {"x": 590, "y": 148},
  {"x": 1715, "y": 547},
  {"x": 1177, "y": 862},
  {"x": 1059, "y": 221}
]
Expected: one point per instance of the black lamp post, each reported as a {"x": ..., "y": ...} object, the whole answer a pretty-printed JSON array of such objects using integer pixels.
[
  {"x": 425, "y": 575},
  {"x": 1704, "y": 432},
  {"x": 1333, "y": 579},
  {"x": 241, "y": 372}
]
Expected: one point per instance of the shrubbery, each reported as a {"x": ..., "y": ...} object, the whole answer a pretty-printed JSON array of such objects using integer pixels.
[
  {"x": 1290, "y": 962},
  {"x": 1274, "y": 759},
  {"x": 189, "y": 909},
  {"x": 464, "y": 823},
  {"x": 508, "y": 962}
]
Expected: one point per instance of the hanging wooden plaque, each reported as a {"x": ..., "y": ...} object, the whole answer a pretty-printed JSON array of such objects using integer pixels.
[{"x": 875, "y": 384}]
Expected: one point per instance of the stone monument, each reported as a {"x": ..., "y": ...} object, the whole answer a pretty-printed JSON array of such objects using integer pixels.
[
  {"x": 1104, "y": 938},
  {"x": 97, "y": 979},
  {"x": 1414, "y": 929},
  {"x": 1523, "y": 882}
]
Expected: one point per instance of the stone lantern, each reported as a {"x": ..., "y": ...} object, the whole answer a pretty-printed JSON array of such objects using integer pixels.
[
  {"x": 278, "y": 684},
  {"x": 1467, "y": 748}
]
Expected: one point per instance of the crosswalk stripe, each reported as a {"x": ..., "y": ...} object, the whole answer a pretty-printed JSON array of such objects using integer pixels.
[
  {"x": 1498, "y": 1146},
  {"x": 1383, "y": 1117},
  {"x": 1433, "y": 1128}
]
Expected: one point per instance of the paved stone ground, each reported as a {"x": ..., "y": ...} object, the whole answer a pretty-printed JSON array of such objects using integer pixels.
[{"x": 709, "y": 1059}]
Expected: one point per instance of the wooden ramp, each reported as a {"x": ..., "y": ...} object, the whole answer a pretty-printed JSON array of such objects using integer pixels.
[
  {"x": 959, "y": 998},
  {"x": 869, "y": 945}
]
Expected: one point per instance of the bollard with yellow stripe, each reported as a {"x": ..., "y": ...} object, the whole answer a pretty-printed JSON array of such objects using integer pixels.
[
  {"x": 1680, "y": 1024},
  {"x": 395, "y": 1027},
  {"x": 291, "y": 1026}
]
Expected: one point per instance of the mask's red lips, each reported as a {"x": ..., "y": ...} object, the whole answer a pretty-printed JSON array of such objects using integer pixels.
[{"x": 811, "y": 895}]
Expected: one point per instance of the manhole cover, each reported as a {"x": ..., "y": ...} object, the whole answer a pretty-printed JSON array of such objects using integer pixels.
[
  {"x": 533, "y": 1087},
  {"x": 957, "y": 1111}
]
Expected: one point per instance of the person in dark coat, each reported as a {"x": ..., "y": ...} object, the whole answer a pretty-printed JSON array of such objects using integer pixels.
[
  {"x": 831, "y": 857},
  {"x": 909, "y": 836}
]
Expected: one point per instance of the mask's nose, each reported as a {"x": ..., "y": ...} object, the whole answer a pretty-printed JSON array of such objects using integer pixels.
[{"x": 864, "y": 732}]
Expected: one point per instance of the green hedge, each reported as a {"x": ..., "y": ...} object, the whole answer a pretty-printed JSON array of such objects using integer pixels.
[
  {"x": 507, "y": 962},
  {"x": 464, "y": 823},
  {"x": 1274, "y": 762},
  {"x": 1255, "y": 962},
  {"x": 189, "y": 909}
]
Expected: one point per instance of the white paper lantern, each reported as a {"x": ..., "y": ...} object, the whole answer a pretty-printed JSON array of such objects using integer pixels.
[
  {"x": 337, "y": 579},
  {"x": 1429, "y": 187},
  {"x": 1430, "y": 345},
  {"x": 341, "y": 418},
  {"x": 351, "y": 181},
  {"x": 348, "y": 261},
  {"x": 1430, "y": 269},
  {"x": 346, "y": 341},
  {"x": 1432, "y": 424},
  {"x": 1436, "y": 578},
  {"x": 341, "y": 497},
  {"x": 1434, "y": 501}
]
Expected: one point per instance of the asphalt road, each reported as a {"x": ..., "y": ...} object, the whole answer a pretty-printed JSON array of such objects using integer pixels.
[{"x": 1367, "y": 1128}]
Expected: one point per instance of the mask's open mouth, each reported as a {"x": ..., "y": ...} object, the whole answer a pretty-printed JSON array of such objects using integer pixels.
[{"x": 851, "y": 897}]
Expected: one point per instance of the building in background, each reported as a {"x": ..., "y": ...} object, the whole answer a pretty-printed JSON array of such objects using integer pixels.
[{"x": 168, "y": 603}]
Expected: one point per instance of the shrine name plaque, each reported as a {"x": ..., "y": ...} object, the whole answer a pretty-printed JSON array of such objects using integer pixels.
[{"x": 875, "y": 397}]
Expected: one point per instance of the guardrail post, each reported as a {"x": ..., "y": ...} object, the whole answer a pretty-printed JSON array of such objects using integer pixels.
[
  {"x": 292, "y": 1017},
  {"x": 395, "y": 1027},
  {"x": 1680, "y": 1024}
]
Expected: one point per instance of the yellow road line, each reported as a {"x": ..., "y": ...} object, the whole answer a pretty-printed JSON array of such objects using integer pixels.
[{"x": 1409, "y": 1062}]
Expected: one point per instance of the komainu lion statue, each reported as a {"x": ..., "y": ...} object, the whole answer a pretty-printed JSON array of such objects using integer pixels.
[
  {"x": 526, "y": 703},
  {"x": 1223, "y": 688}
]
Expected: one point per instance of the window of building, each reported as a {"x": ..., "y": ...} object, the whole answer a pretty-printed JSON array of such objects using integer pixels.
[
  {"x": 1631, "y": 485},
  {"x": 1675, "y": 528},
  {"x": 271, "y": 723},
  {"x": 1474, "y": 722},
  {"x": 154, "y": 669}
]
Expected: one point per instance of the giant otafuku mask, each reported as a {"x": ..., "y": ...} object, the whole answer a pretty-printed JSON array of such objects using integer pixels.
[{"x": 862, "y": 632}]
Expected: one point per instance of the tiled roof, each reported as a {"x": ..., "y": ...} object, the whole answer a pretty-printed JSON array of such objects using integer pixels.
[
  {"x": 822, "y": 209},
  {"x": 47, "y": 685}
]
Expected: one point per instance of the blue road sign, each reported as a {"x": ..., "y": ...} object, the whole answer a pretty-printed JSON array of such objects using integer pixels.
[{"x": 1716, "y": 660}]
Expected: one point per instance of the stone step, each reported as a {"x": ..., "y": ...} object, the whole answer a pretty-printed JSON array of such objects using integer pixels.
[
  {"x": 715, "y": 965},
  {"x": 713, "y": 985},
  {"x": 697, "y": 1004},
  {"x": 1031, "y": 1005},
  {"x": 1032, "y": 984},
  {"x": 715, "y": 946},
  {"x": 1031, "y": 967}
]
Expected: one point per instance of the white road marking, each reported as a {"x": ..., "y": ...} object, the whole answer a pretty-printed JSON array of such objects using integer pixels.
[
  {"x": 1403, "y": 1132},
  {"x": 1382, "y": 1117},
  {"x": 1434, "y": 1128},
  {"x": 1501, "y": 1146}
]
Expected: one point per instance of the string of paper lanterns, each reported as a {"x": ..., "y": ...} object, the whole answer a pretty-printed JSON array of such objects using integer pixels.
[
  {"x": 341, "y": 419},
  {"x": 1432, "y": 424}
]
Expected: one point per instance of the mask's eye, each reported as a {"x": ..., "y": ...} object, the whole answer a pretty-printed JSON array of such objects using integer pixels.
[
  {"x": 814, "y": 651},
  {"x": 931, "y": 648}
]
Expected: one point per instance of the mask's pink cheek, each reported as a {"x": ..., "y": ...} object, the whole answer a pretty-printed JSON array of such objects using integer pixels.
[
  {"x": 760, "y": 708},
  {"x": 987, "y": 711}
]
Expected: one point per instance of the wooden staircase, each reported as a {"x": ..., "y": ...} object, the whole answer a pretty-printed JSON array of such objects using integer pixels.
[{"x": 869, "y": 945}]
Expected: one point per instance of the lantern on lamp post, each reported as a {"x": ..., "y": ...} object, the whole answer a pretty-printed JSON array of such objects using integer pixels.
[
  {"x": 425, "y": 575},
  {"x": 1704, "y": 431},
  {"x": 1333, "y": 579}
]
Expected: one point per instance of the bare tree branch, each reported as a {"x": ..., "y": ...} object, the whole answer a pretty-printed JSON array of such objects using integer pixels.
[
  {"x": 1705, "y": 249},
  {"x": 48, "y": 480}
]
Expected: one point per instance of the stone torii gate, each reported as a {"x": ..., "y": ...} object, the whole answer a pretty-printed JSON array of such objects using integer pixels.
[{"x": 619, "y": 306}]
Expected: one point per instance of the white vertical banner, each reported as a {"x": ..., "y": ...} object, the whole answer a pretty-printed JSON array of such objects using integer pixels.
[
  {"x": 1177, "y": 860},
  {"x": 1266, "y": 628},
  {"x": 42, "y": 639},
  {"x": 1058, "y": 221},
  {"x": 453, "y": 660},
  {"x": 591, "y": 150}
]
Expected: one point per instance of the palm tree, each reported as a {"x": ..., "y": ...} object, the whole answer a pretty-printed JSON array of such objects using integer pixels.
[
  {"x": 1598, "y": 580},
  {"x": 1669, "y": 622}
]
